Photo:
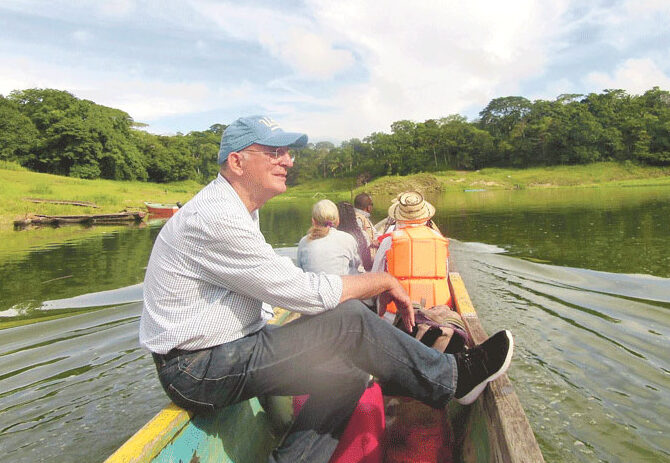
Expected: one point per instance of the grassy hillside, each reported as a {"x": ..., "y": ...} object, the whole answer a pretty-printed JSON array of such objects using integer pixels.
[
  {"x": 17, "y": 184},
  {"x": 604, "y": 174}
]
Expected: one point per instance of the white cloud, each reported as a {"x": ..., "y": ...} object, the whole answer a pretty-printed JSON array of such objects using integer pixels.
[
  {"x": 309, "y": 54},
  {"x": 82, "y": 36},
  {"x": 635, "y": 75},
  {"x": 144, "y": 99},
  {"x": 292, "y": 39},
  {"x": 647, "y": 7},
  {"x": 431, "y": 59},
  {"x": 116, "y": 8},
  {"x": 357, "y": 66}
]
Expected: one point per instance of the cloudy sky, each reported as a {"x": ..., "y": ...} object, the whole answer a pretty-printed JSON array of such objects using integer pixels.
[{"x": 334, "y": 69}]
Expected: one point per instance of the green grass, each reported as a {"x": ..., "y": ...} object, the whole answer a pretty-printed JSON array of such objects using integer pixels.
[
  {"x": 110, "y": 196},
  {"x": 16, "y": 184},
  {"x": 604, "y": 174}
]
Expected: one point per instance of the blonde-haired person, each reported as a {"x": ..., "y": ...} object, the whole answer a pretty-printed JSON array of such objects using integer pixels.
[{"x": 325, "y": 248}]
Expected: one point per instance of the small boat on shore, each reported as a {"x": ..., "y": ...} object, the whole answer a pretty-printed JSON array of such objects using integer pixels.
[
  {"x": 88, "y": 219},
  {"x": 162, "y": 210},
  {"x": 493, "y": 429}
]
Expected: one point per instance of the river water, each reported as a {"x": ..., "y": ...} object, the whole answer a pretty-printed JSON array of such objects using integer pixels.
[{"x": 581, "y": 277}]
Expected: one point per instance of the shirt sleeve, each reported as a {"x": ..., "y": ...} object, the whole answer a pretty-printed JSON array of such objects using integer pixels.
[
  {"x": 235, "y": 255},
  {"x": 375, "y": 232},
  {"x": 379, "y": 265}
]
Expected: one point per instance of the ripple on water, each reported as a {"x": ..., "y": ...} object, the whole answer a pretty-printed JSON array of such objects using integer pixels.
[
  {"x": 66, "y": 381},
  {"x": 593, "y": 382}
]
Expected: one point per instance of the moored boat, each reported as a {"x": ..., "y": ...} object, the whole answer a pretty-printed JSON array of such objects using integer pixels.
[
  {"x": 493, "y": 429},
  {"x": 88, "y": 219},
  {"x": 162, "y": 210}
]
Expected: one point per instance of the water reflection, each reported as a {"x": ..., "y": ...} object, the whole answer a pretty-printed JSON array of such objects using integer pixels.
[
  {"x": 588, "y": 302},
  {"x": 108, "y": 260},
  {"x": 623, "y": 230}
]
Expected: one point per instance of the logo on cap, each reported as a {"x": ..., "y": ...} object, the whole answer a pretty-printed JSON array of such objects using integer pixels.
[{"x": 269, "y": 123}]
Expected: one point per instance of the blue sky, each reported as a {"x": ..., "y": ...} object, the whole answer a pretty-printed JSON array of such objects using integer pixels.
[{"x": 333, "y": 69}]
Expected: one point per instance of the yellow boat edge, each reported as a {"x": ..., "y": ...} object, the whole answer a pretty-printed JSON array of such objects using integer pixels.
[
  {"x": 146, "y": 443},
  {"x": 460, "y": 295}
]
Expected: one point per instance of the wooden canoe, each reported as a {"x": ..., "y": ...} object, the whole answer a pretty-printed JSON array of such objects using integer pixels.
[
  {"x": 162, "y": 210},
  {"x": 88, "y": 219},
  {"x": 493, "y": 429}
]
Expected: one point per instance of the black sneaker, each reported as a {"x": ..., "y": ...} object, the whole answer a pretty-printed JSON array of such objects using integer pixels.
[{"x": 482, "y": 364}]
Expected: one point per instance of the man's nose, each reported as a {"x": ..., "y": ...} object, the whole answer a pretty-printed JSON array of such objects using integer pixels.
[{"x": 286, "y": 161}]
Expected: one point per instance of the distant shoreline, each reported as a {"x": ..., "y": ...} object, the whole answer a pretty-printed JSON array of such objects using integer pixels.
[{"x": 113, "y": 196}]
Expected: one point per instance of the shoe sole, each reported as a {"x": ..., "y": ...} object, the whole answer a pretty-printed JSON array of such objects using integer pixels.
[{"x": 471, "y": 396}]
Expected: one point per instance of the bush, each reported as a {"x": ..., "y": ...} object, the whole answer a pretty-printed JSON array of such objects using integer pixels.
[
  {"x": 85, "y": 171},
  {"x": 10, "y": 165}
]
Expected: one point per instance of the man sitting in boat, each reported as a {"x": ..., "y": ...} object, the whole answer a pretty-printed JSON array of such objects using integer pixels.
[
  {"x": 211, "y": 276},
  {"x": 363, "y": 207}
]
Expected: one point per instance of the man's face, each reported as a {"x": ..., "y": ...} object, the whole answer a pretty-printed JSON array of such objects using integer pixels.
[
  {"x": 266, "y": 172},
  {"x": 369, "y": 208}
]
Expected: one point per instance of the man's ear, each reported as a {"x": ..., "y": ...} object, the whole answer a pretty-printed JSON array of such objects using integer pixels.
[{"x": 234, "y": 163}]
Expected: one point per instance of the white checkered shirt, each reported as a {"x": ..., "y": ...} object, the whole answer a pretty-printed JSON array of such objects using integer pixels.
[{"x": 211, "y": 268}]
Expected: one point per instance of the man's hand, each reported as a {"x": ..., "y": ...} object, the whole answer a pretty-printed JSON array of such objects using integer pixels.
[
  {"x": 384, "y": 285},
  {"x": 403, "y": 304}
]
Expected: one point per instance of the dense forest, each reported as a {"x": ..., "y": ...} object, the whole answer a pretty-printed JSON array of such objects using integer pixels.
[{"x": 52, "y": 131}]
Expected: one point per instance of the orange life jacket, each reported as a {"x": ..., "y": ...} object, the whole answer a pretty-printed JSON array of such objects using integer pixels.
[{"x": 418, "y": 259}]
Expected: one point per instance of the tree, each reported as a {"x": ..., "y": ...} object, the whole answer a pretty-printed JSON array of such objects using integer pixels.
[
  {"x": 502, "y": 114},
  {"x": 18, "y": 134},
  {"x": 78, "y": 137},
  {"x": 204, "y": 147}
]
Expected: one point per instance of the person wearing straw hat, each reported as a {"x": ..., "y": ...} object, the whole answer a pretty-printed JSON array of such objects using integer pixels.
[
  {"x": 411, "y": 208},
  {"x": 209, "y": 287},
  {"x": 408, "y": 209}
]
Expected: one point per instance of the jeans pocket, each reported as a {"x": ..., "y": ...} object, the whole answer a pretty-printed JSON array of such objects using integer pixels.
[
  {"x": 195, "y": 365},
  {"x": 202, "y": 382}
]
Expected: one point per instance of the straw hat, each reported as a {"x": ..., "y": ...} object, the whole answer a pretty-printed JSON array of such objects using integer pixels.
[{"x": 411, "y": 206}]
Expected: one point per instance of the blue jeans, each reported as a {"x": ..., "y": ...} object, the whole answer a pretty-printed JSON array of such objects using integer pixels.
[{"x": 328, "y": 356}]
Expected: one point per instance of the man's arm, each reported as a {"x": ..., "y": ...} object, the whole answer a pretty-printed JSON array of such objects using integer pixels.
[{"x": 384, "y": 285}]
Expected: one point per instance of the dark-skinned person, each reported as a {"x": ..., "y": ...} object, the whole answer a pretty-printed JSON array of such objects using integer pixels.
[
  {"x": 363, "y": 207},
  {"x": 209, "y": 287}
]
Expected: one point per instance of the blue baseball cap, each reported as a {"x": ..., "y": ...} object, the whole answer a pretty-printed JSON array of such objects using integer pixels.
[{"x": 246, "y": 131}]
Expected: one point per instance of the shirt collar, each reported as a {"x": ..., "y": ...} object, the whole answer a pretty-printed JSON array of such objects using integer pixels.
[
  {"x": 223, "y": 183},
  {"x": 364, "y": 213}
]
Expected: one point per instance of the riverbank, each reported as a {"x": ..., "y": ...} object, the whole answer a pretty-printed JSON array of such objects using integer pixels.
[
  {"x": 110, "y": 196},
  {"x": 604, "y": 174}
]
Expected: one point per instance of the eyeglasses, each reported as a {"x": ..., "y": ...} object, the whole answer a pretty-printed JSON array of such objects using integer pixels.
[{"x": 275, "y": 155}]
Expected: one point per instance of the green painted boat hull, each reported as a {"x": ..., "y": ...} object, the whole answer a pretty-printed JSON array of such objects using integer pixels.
[{"x": 241, "y": 433}]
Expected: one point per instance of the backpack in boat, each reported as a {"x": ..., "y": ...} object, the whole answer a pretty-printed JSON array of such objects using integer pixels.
[{"x": 438, "y": 327}]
